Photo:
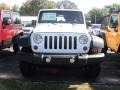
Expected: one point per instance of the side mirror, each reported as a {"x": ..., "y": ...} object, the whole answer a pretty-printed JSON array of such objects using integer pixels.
[
  {"x": 88, "y": 24},
  {"x": 34, "y": 23},
  {"x": 7, "y": 21}
]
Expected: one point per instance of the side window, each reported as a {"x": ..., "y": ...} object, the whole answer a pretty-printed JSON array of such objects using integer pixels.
[
  {"x": 6, "y": 15},
  {"x": 105, "y": 22},
  {"x": 6, "y": 18},
  {"x": 113, "y": 21},
  {"x": 16, "y": 18}
]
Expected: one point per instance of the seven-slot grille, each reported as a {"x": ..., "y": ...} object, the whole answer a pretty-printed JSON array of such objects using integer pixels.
[{"x": 60, "y": 42}]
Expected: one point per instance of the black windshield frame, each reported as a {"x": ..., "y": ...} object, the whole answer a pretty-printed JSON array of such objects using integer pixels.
[{"x": 68, "y": 15}]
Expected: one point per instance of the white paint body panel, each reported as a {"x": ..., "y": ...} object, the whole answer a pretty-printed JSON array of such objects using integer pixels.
[{"x": 75, "y": 28}]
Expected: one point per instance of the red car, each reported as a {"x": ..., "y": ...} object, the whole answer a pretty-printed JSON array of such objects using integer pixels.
[{"x": 10, "y": 29}]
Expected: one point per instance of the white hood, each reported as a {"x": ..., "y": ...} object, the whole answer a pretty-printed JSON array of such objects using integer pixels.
[{"x": 77, "y": 28}]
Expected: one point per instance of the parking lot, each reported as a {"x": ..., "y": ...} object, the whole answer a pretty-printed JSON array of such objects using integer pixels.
[{"x": 110, "y": 71}]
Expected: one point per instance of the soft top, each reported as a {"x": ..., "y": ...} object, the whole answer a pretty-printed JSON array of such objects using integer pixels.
[{"x": 60, "y": 10}]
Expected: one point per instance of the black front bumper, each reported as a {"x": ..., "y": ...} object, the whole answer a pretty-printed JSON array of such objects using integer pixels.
[{"x": 58, "y": 59}]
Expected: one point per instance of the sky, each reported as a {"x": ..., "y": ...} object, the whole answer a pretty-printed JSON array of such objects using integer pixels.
[{"x": 84, "y": 5}]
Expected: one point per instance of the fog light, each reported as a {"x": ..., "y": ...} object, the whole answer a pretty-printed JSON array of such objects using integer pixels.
[
  {"x": 35, "y": 47},
  {"x": 85, "y": 48},
  {"x": 72, "y": 60},
  {"x": 48, "y": 60}
]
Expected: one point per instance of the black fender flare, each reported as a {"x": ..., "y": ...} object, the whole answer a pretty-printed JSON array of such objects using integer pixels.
[
  {"x": 102, "y": 35},
  {"x": 20, "y": 32}
]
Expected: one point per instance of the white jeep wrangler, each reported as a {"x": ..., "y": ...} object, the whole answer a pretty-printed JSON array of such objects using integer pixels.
[{"x": 61, "y": 38}]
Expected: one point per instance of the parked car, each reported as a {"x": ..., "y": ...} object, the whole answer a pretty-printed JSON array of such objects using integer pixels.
[
  {"x": 27, "y": 25},
  {"x": 110, "y": 32},
  {"x": 61, "y": 38},
  {"x": 94, "y": 29},
  {"x": 10, "y": 29}
]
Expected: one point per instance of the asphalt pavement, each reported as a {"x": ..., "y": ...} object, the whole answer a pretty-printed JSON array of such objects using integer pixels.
[{"x": 110, "y": 71}]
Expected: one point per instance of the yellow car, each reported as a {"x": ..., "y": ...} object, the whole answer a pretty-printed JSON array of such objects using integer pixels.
[{"x": 111, "y": 32}]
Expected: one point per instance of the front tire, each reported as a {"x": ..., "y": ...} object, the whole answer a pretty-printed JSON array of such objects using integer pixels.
[
  {"x": 26, "y": 49},
  {"x": 92, "y": 71},
  {"x": 27, "y": 69},
  {"x": 16, "y": 48}
]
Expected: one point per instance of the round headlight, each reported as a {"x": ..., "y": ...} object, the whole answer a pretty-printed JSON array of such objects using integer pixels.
[
  {"x": 83, "y": 39},
  {"x": 37, "y": 38}
]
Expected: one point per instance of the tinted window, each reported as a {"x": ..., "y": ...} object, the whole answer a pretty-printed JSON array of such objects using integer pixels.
[
  {"x": 16, "y": 18},
  {"x": 96, "y": 26},
  {"x": 113, "y": 20},
  {"x": 27, "y": 23},
  {"x": 61, "y": 17},
  {"x": 105, "y": 22}
]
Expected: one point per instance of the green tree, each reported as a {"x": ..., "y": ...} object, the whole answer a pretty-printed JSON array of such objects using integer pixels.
[
  {"x": 25, "y": 8},
  {"x": 51, "y": 4},
  {"x": 4, "y": 6},
  {"x": 115, "y": 5},
  {"x": 66, "y": 4},
  {"x": 31, "y": 7},
  {"x": 15, "y": 8},
  {"x": 96, "y": 15}
]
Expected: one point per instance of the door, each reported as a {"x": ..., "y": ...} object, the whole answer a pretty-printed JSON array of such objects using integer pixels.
[
  {"x": 6, "y": 28},
  {"x": 112, "y": 33}
]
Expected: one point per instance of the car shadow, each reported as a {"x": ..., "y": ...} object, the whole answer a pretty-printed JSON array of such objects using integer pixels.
[
  {"x": 6, "y": 53},
  {"x": 110, "y": 71}
]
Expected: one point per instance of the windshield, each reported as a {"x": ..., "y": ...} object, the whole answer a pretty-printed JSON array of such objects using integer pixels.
[
  {"x": 26, "y": 23},
  {"x": 96, "y": 26},
  {"x": 61, "y": 17}
]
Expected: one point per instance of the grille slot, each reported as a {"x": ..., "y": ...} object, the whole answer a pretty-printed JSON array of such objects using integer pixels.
[
  {"x": 55, "y": 42},
  {"x": 50, "y": 42},
  {"x": 75, "y": 42},
  {"x": 45, "y": 42},
  {"x": 65, "y": 42},
  {"x": 60, "y": 42},
  {"x": 70, "y": 42}
]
